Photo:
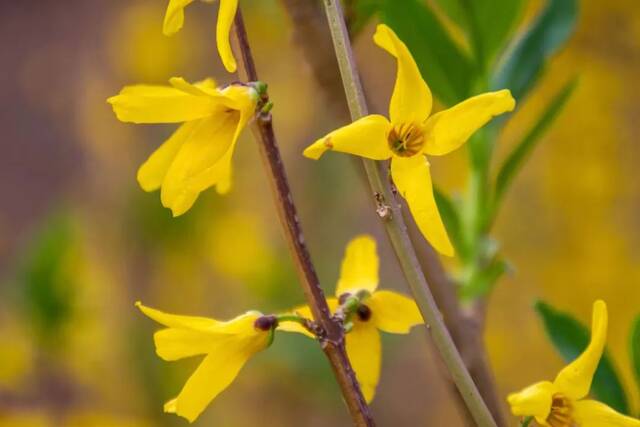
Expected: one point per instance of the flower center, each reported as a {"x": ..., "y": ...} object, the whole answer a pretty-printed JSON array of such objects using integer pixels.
[
  {"x": 560, "y": 415},
  {"x": 406, "y": 139},
  {"x": 363, "y": 312}
]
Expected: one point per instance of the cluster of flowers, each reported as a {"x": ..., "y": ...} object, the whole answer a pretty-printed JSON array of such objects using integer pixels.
[{"x": 198, "y": 156}]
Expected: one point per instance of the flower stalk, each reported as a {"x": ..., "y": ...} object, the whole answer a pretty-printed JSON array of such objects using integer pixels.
[
  {"x": 396, "y": 228},
  {"x": 332, "y": 333}
]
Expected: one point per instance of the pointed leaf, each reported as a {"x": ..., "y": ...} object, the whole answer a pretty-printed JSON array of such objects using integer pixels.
[
  {"x": 523, "y": 63},
  {"x": 570, "y": 338},
  {"x": 517, "y": 157}
]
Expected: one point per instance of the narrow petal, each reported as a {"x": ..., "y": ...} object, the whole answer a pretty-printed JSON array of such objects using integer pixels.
[
  {"x": 174, "y": 344},
  {"x": 152, "y": 172},
  {"x": 360, "y": 266},
  {"x": 366, "y": 137},
  {"x": 226, "y": 15},
  {"x": 411, "y": 100},
  {"x": 393, "y": 312},
  {"x": 534, "y": 400},
  {"x": 203, "y": 161},
  {"x": 412, "y": 178},
  {"x": 365, "y": 353},
  {"x": 163, "y": 104},
  {"x": 590, "y": 413},
  {"x": 174, "y": 17},
  {"x": 449, "y": 129},
  {"x": 216, "y": 372},
  {"x": 176, "y": 321},
  {"x": 574, "y": 380}
]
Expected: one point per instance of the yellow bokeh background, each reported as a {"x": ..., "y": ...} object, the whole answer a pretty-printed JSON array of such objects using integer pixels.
[{"x": 570, "y": 225}]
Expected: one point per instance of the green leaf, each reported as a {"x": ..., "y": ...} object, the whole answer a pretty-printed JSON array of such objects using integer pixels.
[
  {"x": 523, "y": 63},
  {"x": 44, "y": 277},
  {"x": 517, "y": 157},
  {"x": 496, "y": 19},
  {"x": 482, "y": 281},
  {"x": 634, "y": 347},
  {"x": 570, "y": 338},
  {"x": 451, "y": 219},
  {"x": 447, "y": 70}
]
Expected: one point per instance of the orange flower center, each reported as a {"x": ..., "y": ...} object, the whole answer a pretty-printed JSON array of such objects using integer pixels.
[
  {"x": 406, "y": 139},
  {"x": 560, "y": 415}
]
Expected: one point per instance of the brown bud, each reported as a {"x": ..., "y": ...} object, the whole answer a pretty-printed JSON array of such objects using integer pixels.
[{"x": 266, "y": 323}]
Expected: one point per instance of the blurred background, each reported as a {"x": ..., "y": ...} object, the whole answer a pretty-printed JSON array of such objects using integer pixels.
[{"x": 80, "y": 242}]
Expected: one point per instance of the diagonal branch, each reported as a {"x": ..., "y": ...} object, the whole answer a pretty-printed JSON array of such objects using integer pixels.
[
  {"x": 391, "y": 214},
  {"x": 332, "y": 339},
  {"x": 312, "y": 37}
]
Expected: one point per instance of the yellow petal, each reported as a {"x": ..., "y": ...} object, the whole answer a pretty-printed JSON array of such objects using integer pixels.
[
  {"x": 393, "y": 312},
  {"x": 359, "y": 266},
  {"x": 305, "y": 311},
  {"x": 589, "y": 413},
  {"x": 534, "y": 400},
  {"x": 412, "y": 178},
  {"x": 216, "y": 372},
  {"x": 203, "y": 161},
  {"x": 574, "y": 381},
  {"x": 365, "y": 354},
  {"x": 164, "y": 104},
  {"x": 411, "y": 100},
  {"x": 449, "y": 129},
  {"x": 176, "y": 321},
  {"x": 366, "y": 137},
  {"x": 174, "y": 344},
  {"x": 226, "y": 15},
  {"x": 152, "y": 172},
  {"x": 240, "y": 325},
  {"x": 174, "y": 17}
]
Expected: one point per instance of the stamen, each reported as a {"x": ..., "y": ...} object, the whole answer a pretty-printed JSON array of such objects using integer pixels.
[
  {"x": 560, "y": 415},
  {"x": 406, "y": 139}
]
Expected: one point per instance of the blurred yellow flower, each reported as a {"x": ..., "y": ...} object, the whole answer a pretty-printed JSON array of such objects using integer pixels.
[
  {"x": 198, "y": 155},
  {"x": 371, "y": 311},
  {"x": 411, "y": 133},
  {"x": 561, "y": 403},
  {"x": 227, "y": 346},
  {"x": 174, "y": 20}
]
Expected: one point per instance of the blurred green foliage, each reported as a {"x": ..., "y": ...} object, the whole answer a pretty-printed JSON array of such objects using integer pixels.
[{"x": 45, "y": 277}]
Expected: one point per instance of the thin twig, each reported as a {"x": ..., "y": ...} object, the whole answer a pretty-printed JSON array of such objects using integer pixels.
[
  {"x": 309, "y": 32},
  {"x": 397, "y": 231},
  {"x": 333, "y": 334}
]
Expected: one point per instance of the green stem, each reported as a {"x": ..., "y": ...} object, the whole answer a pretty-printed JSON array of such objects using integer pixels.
[{"x": 389, "y": 211}]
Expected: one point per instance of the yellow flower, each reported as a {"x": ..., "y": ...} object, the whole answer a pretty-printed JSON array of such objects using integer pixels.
[
  {"x": 174, "y": 20},
  {"x": 561, "y": 403},
  {"x": 227, "y": 346},
  {"x": 373, "y": 310},
  {"x": 412, "y": 133},
  {"x": 198, "y": 155}
]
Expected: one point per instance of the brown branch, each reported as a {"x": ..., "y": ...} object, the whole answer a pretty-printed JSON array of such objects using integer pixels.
[
  {"x": 466, "y": 329},
  {"x": 332, "y": 339}
]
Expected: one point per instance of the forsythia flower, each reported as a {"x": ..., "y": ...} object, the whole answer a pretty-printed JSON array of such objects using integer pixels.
[
  {"x": 561, "y": 403},
  {"x": 227, "y": 346},
  {"x": 412, "y": 133},
  {"x": 174, "y": 20},
  {"x": 198, "y": 155},
  {"x": 375, "y": 310}
]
